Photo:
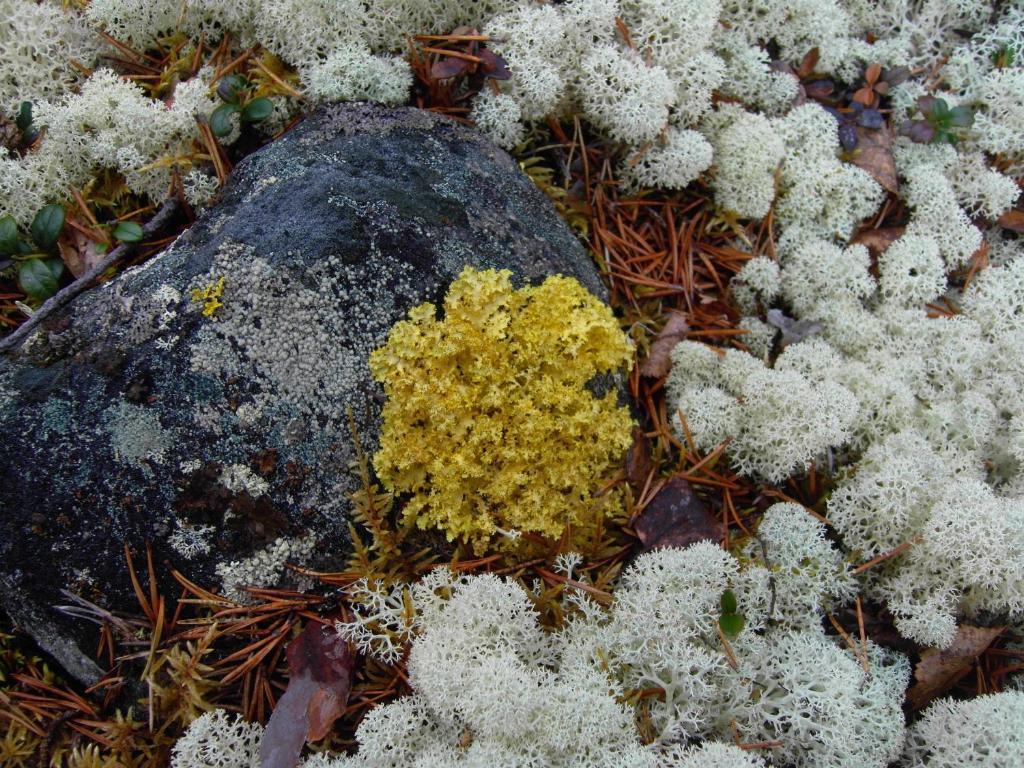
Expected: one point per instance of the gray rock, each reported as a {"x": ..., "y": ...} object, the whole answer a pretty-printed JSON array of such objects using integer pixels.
[{"x": 131, "y": 417}]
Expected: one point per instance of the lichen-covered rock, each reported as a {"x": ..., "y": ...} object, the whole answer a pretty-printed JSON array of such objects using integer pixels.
[{"x": 200, "y": 402}]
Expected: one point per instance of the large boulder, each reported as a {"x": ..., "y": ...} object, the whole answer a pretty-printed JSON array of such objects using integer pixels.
[{"x": 200, "y": 402}]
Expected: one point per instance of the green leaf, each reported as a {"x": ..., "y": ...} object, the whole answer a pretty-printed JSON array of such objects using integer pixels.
[
  {"x": 38, "y": 277},
  {"x": 961, "y": 117},
  {"x": 220, "y": 120},
  {"x": 230, "y": 87},
  {"x": 24, "y": 118},
  {"x": 257, "y": 110},
  {"x": 8, "y": 236},
  {"x": 127, "y": 232},
  {"x": 940, "y": 109},
  {"x": 46, "y": 226},
  {"x": 728, "y": 602},
  {"x": 731, "y": 624}
]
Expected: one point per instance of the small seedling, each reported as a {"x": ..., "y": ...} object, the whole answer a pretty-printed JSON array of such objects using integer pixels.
[
  {"x": 730, "y": 622},
  {"x": 237, "y": 94},
  {"x": 38, "y": 269},
  {"x": 939, "y": 122}
]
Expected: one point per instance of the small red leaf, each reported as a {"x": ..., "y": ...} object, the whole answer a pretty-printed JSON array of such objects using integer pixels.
[
  {"x": 493, "y": 65},
  {"x": 1013, "y": 220},
  {"x": 448, "y": 67},
  {"x": 675, "y": 517},
  {"x": 807, "y": 65},
  {"x": 658, "y": 359}
]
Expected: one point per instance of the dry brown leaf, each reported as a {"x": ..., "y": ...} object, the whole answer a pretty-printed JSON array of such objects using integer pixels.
[
  {"x": 659, "y": 359},
  {"x": 874, "y": 155},
  {"x": 79, "y": 253},
  {"x": 320, "y": 666},
  {"x": 638, "y": 461},
  {"x": 878, "y": 240},
  {"x": 1013, "y": 220},
  {"x": 939, "y": 670},
  {"x": 676, "y": 518}
]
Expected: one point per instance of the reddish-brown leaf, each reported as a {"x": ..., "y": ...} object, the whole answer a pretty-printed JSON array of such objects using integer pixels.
[
  {"x": 807, "y": 65},
  {"x": 938, "y": 671},
  {"x": 874, "y": 155},
  {"x": 448, "y": 67},
  {"x": 676, "y": 518},
  {"x": 872, "y": 73},
  {"x": 320, "y": 675},
  {"x": 493, "y": 65},
  {"x": 1013, "y": 219},
  {"x": 878, "y": 240},
  {"x": 638, "y": 461},
  {"x": 658, "y": 360},
  {"x": 865, "y": 96}
]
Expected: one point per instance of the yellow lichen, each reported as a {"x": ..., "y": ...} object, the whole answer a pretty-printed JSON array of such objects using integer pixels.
[
  {"x": 488, "y": 423},
  {"x": 210, "y": 296}
]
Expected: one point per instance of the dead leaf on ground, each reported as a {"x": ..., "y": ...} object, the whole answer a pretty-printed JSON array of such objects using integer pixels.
[
  {"x": 638, "y": 461},
  {"x": 874, "y": 155},
  {"x": 1013, "y": 220},
  {"x": 79, "y": 253},
  {"x": 659, "y": 359},
  {"x": 793, "y": 331},
  {"x": 320, "y": 666},
  {"x": 675, "y": 517},
  {"x": 939, "y": 670},
  {"x": 878, "y": 240}
]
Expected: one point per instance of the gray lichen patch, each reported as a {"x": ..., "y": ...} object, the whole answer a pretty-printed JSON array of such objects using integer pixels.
[
  {"x": 136, "y": 435},
  {"x": 299, "y": 338}
]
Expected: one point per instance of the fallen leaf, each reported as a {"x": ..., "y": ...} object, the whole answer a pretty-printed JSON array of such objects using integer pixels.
[
  {"x": 675, "y": 517},
  {"x": 939, "y": 670},
  {"x": 1013, "y": 219},
  {"x": 878, "y": 240},
  {"x": 793, "y": 331},
  {"x": 638, "y": 461},
  {"x": 874, "y": 155},
  {"x": 659, "y": 358},
  {"x": 448, "y": 67},
  {"x": 808, "y": 63},
  {"x": 79, "y": 253},
  {"x": 320, "y": 675}
]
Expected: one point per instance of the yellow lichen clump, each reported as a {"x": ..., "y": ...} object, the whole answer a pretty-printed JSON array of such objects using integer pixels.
[
  {"x": 488, "y": 424},
  {"x": 210, "y": 296}
]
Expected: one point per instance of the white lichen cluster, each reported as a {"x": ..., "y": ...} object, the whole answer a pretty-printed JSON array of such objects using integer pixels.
[
  {"x": 641, "y": 72},
  {"x": 264, "y": 568},
  {"x": 924, "y": 409},
  {"x": 492, "y": 687},
  {"x": 985, "y": 731},
  {"x": 758, "y": 409}
]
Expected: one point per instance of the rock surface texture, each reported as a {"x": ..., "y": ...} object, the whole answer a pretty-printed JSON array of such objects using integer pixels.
[{"x": 200, "y": 402}]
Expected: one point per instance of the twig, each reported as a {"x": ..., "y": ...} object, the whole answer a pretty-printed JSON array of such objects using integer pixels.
[
  {"x": 897, "y": 550},
  {"x": 67, "y": 294}
]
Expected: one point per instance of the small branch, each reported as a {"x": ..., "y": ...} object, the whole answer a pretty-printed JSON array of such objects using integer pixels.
[
  {"x": 67, "y": 294},
  {"x": 898, "y": 550}
]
